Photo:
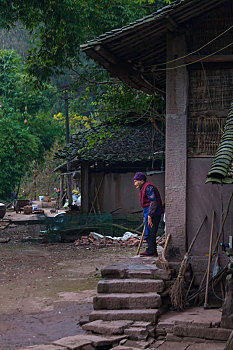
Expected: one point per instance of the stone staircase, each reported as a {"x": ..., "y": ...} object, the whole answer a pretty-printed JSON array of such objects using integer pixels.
[{"x": 129, "y": 299}]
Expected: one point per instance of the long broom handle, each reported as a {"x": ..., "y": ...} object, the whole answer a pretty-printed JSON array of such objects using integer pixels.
[
  {"x": 141, "y": 240},
  {"x": 209, "y": 258},
  {"x": 195, "y": 237},
  {"x": 166, "y": 244}
]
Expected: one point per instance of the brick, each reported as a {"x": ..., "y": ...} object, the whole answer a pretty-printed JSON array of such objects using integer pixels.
[
  {"x": 130, "y": 286},
  {"x": 106, "y": 327},
  {"x": 149, "y": 315},
  {"x": 127, "y": 301}
]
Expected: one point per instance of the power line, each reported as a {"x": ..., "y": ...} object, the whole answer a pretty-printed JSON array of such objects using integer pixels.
[
  {"x": 200, "y": 48},
  {"x": 198, "y": 60}
]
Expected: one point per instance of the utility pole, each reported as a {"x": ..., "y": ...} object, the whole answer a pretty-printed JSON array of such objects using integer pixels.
[{"x": 69, "y": 189}]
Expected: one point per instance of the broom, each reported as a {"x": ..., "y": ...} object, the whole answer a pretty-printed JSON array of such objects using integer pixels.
[
  {"x": 162, "y": 262},
  {"x": 177, "y": 291}
]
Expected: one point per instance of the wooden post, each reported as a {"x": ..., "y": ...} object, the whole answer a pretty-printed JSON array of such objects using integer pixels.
[
  {"x": 61, "y": 190},
  {"x": 85, "y": 187}
]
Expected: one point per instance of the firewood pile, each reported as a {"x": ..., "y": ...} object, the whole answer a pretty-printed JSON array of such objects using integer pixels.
[{"x": 99, "y": 241}]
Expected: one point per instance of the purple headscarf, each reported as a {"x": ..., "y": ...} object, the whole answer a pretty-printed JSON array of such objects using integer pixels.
[{"x": 140, "y": 177}]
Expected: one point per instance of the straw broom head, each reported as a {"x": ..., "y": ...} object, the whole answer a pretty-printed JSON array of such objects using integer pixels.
[{"x": 177, "y": 291}]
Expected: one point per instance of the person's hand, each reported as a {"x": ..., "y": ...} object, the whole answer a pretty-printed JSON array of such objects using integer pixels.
[{"x": 150, "y": 221}]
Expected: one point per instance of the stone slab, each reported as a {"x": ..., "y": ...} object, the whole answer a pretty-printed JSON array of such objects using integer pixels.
[
  {"x": 194, "y": 314},
  {"x": 137, "y": 344},
  {"x": 206, "y": 346},
  {"x": 76, "y": 342},
  {"x": 149, "y": 315},
  {"x": 130, "y": 286},
  {"x": 44, "y": 347},
  {"x": 142, "y": 324},
  {"x": 136, "y": 333},
  {"x": 123, "y": 347},
  {"x": 107, "y": 327},
  {"x": 127, "y": 301},
  {"x": 175, "y": 346},
  {"x": 205, "y": 333}
]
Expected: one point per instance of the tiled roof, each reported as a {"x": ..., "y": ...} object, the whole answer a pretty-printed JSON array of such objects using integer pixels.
[
  {"x": 221, "y": 170},
  {"x": 132, "y": 52},
  {"x": 127, "y": 144}
]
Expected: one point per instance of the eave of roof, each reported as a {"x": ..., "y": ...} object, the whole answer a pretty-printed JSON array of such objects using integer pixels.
[
  {"x": 126, "y": 144},
  {"x": 127, "y": 51},
  {"x": 221, "y": 170}
]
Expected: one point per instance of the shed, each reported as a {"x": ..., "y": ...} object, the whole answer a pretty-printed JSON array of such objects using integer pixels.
[
  {"x": 108, "y": 157},
  {"x": 184, "y": 52}
]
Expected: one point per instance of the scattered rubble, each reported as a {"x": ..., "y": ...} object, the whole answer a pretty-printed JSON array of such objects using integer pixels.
[{"x": 97, "y": 240}]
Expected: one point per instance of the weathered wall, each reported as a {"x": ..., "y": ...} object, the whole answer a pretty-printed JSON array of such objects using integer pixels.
[
  {"x": 202, "y": 199},
  {"x": 117, "y": 191}
]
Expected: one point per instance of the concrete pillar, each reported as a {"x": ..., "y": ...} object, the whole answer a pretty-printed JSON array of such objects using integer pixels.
[{"x": 176, "y": 147}]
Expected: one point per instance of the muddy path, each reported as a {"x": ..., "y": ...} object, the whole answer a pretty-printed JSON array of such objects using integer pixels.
[{"x": 46, "y": 289}]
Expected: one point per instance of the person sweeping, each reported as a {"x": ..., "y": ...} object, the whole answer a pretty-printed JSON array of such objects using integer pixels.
[{"x": 152, "y": 210}]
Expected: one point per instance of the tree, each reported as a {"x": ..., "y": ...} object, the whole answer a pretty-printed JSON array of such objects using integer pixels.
[
  {"x": 59, "y": 27},
  {"x": 17, "y": 149},
  {"x": 27, "y": 126}
]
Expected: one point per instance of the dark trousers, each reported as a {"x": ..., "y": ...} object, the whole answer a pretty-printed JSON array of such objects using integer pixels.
[{"x": 151, "y": 240}]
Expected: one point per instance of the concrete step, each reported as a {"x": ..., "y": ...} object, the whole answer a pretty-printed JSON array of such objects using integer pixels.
[
  {"x": 130, "y": 286},
  {"x": 127, "y": 301},
  {"x": 149, "y": 315}
]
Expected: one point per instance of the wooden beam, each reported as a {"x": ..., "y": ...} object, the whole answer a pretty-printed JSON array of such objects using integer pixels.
[
  {"x": 210, "y": 59},
  {"x": 171, "y": 24},
  {"x": 106, "y": 53}
]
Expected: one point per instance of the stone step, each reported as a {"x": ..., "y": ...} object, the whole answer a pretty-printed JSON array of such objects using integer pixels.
[
  {"x": 127, "y": 301},
  {"x": 107, "y": 327},
  {"x": 136, "y": 271},
  {"x": 130, "y": 286},
  {"x": 149, "y": 315}
]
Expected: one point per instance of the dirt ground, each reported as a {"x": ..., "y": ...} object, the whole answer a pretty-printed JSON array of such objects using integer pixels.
[{"x": 45, "y": 289}]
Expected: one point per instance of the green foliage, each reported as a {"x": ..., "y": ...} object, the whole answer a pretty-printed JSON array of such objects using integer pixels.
[
  {"x": 59, "y": 27},
  {"x": 28, "y": 128},
  {"x": 17, "y": 149}
]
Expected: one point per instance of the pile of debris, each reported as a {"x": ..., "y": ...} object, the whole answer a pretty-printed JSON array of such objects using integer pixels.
[{"x": 129, "y": 239}]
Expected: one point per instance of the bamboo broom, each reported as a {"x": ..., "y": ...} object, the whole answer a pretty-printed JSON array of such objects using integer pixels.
[{"x": 177, "y": 291}]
